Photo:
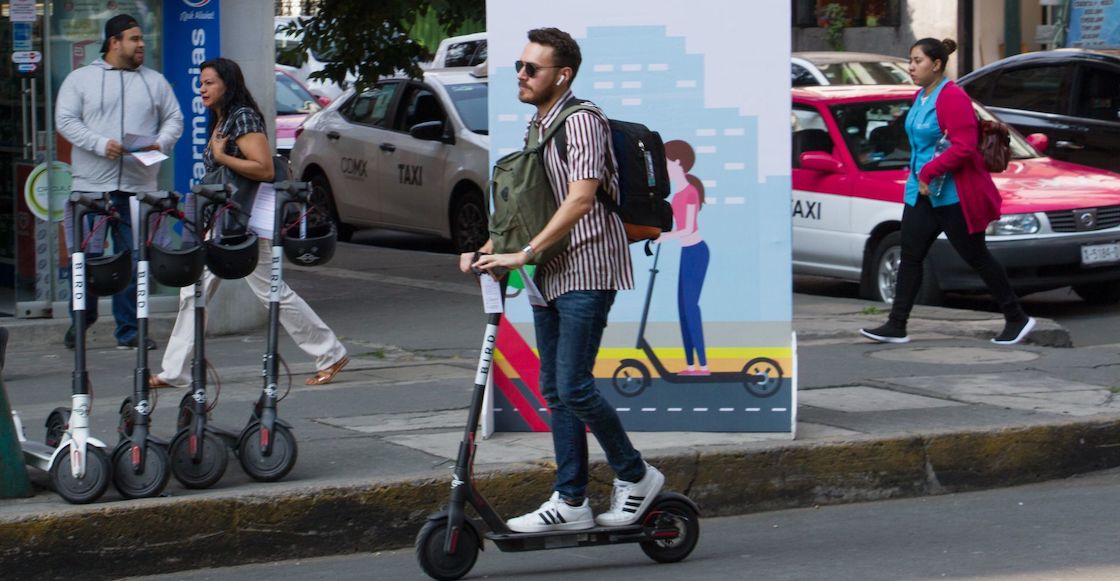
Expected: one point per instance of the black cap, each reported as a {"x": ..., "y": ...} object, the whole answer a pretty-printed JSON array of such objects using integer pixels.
[{"x": 115, "y": 26}]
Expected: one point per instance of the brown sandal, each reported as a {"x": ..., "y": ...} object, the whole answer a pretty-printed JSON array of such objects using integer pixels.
[
  {"x": 157, "y": 382},
  {"x": 325, "y": 376}
]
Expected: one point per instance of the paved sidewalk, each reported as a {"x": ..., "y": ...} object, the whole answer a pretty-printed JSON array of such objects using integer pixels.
[{"x": 949, "y": 411}]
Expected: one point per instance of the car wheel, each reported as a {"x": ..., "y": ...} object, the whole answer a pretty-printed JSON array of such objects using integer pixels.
[
  {"x": 323, "y": 196},
  {"x": 1099, "y": 293},
  {"x": 469, "y": 222},
  {"x": 880, "y": 275}
]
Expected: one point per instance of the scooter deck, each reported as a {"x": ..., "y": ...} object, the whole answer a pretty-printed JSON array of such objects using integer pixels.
[
  {"x": 37, "y": 454},
  {"x": 514, "y": 542}
]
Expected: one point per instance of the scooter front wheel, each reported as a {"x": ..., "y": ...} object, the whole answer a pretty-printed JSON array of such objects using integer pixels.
[
  {"x": 210, "y": 466},
  {"x": 275, "y": 465},
  {"x": 630, "y": 378},
  {"x": 151, "y": 480},
  {"x": 764, "y": 376},
  {"x": 675, "y": 528},
  {"x": 435, "y": 561},
  {"x": 91, "y": 485}
]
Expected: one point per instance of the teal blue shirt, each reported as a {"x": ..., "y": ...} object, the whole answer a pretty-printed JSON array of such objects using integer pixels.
[{"x": 924, "y": 132}]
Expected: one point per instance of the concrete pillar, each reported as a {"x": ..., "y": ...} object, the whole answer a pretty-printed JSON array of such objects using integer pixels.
[{"x": 248, "y": 38}]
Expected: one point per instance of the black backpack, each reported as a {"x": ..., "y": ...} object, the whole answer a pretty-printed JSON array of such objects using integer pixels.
[{"x": 643, "y": 179}]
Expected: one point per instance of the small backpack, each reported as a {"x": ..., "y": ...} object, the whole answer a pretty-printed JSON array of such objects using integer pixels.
[
  {"x": 643, "y": 178},
  {"x": 521, "y": 199},
  {"x": 994, "y": 141}
]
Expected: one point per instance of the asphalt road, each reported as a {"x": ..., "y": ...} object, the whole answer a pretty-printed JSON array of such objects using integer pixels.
[{"x": 1059, "y": 530}]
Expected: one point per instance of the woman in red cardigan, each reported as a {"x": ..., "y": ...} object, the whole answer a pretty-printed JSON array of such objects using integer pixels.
[{"x": 949, "y": 190}]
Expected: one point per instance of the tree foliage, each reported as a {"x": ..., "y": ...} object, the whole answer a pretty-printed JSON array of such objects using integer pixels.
[{"x": 371, "y": 39}]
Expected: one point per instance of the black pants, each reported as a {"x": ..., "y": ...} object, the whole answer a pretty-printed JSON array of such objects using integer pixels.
[{"x": 921, "y": 224}]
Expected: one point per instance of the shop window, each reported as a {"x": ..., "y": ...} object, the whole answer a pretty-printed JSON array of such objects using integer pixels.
[{"x": 806, "y": 13}]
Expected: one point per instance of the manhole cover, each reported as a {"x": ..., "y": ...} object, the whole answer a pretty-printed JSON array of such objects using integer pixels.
[{"x": 955, "y": 355}]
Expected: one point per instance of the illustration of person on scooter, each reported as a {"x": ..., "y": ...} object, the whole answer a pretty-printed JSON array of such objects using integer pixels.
[
  {"x": 579, "y": 286},
  {"x": 688, "y": 198}
]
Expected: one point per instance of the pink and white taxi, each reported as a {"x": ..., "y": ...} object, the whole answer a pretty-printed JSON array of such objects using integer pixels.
[{"x": 1060, "y": 224}]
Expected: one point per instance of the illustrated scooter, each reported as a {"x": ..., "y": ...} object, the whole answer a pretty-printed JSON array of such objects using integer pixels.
[
  {"x": 761, "y": 376},
  {"x": 448, "y": 544},
  {"x": 78, "y": 465},
  {"x": 200, "y": 449}
]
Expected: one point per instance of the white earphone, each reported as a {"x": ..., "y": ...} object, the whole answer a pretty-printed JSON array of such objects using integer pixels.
[{"x": 561, "y": 81}]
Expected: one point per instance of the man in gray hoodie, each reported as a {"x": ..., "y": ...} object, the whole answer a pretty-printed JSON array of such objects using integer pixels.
[{"x": 98, "y": 105}]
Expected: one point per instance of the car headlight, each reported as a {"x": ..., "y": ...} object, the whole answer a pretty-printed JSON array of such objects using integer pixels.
[{"x": 1013, "y": 224}]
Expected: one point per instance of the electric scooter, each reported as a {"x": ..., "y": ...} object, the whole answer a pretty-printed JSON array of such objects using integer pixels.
[
  {"x": 142, "y": 466},
  {"x": 448, "y": 544},
  {"x": 79, "y": 468},
  {"x": 761, "y": 376},
  {"x": 199, "y": 453}
]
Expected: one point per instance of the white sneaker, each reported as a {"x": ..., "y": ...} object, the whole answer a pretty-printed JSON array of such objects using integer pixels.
[
  {"x": 630, "y": 499},
  {"x": 554, "y": 515}
]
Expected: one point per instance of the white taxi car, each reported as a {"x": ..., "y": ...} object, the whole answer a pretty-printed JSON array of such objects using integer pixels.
[{"x": 409, "y": 155}]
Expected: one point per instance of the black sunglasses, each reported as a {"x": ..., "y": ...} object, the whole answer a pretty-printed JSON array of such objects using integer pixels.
[{"x": 531, "y": 69}]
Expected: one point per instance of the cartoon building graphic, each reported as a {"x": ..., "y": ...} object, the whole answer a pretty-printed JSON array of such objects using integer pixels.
[{"x": 745, "y": 298}]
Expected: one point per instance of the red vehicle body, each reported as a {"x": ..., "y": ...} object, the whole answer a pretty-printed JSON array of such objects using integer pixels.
[{"x": 1060, "y": 224}]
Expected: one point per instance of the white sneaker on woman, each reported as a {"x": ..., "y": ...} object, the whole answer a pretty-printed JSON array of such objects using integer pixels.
[
  {"x": 554, "y": 515},
  {"x": 630, "y": 499}
]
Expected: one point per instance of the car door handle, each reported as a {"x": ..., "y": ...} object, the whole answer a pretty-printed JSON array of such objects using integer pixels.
[
  {"x": 388, "y": 147},
  {"x": 1069, "y": 145},
  {"x": 333, "y": 136}
]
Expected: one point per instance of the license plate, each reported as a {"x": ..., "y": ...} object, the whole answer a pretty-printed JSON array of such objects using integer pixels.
[{"x": 1100, "y": 254}]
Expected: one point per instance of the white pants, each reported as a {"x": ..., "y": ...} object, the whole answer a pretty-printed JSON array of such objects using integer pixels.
[{"x": 302, "y": 324}]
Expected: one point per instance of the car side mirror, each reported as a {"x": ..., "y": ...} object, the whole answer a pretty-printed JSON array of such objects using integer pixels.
[
  {"x": 1039, "y": 141},
  {"x": 821, "y": 161},
  {"x": 323, "y": 100},
  {"x": 428, "y": 131}
]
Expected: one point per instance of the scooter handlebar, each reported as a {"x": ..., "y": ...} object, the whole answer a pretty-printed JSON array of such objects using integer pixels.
[
  {"x": 297, "y": 191},
  {"x": 217, "y": 193},
  {"x": 158, "y": 199},
  {"x": 97, "y": 202}
]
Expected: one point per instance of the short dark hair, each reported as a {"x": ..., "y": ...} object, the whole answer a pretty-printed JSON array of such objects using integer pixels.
[
  {"x": 564, "y": 47},
  {"x": 937, "y": 50}
]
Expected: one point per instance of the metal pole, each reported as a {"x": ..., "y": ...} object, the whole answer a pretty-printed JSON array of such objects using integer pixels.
[{"x": 52, "y": 252}]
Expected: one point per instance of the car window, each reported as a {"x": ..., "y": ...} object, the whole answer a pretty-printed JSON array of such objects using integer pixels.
[
  {"x": 865, "y": 73},
  {"x": 291, "y": 98},
  {"x": 1031, "y": 88},
  {"x": 420, "y": 106},
  {"x": 875, "y": 133},
  {"x": 372, "y": 106},
  {"x": 801, "y": 77},
  {"x": 1100, "y": 94},
  {"x": 469, "y": 100},
  {"x": 466, "y": 54},
  {"x": 809, "y": 133},
  {"x": 980, "y": 87}
]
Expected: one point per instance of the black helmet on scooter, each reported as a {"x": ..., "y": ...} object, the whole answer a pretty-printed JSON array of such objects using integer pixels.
[
  {"x": 232, "y": 257},
  {"x": 178, "y": 268},
  {"x": 109, "y": 275},
  {"x": 316, "y": 249}
]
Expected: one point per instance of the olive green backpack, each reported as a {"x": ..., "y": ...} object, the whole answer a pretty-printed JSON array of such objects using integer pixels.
[{"x": 521, "y": 198}]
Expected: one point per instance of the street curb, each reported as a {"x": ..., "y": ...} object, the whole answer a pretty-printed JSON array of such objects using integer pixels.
[{"x": 168, "y": 534}]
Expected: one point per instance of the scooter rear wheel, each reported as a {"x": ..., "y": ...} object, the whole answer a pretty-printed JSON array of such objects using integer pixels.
[
  {"x": 630, "y": 378},
  {"x": 435, "y": 561},
  {"x": 151, "y": 481},
  {"x": 274, "y": 466},
  {"x": 672, "y": 514},
  {"x": 209, "y": 468},
  {"x": 89, "y": 487},
  {"x": 56, "y": 426}
]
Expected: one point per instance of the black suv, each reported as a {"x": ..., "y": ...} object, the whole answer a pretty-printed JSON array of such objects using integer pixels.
[{"x": 1071, "y": 95}]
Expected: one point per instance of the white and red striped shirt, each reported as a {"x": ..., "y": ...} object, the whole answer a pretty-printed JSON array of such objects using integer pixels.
[{"x": 598, "y": 255}]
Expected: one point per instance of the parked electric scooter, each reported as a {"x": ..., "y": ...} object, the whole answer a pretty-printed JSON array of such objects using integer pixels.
[
  {"x": 761, "y": 376},
  {"x": 140, "y": 461},
  {"x": 199, "y": 454},
  {"x": 448, "y": 544},
  {"x": 267, "y": 448},
  {"x": 78, "y": 465}
]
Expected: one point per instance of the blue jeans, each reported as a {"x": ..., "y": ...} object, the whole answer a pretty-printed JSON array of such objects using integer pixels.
[
  {"x": 124, "y": 302},
  {"x": 694, "y": 267},
  {"x": 569, "y": 331}
]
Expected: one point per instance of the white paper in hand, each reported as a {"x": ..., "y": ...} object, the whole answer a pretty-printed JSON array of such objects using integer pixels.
[
  {"x": 264, "y": 211},
  {"x": 491, "y": 294},
  {"x": 535, "y": 297}
]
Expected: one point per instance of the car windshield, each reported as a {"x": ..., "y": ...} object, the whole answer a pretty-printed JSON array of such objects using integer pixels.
[
  {"x": 865, "y": 73},
  {"x": 470, "y": 102},
  {"x": 291, "y": 98},
  {"x": 876, "y": 136}
]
